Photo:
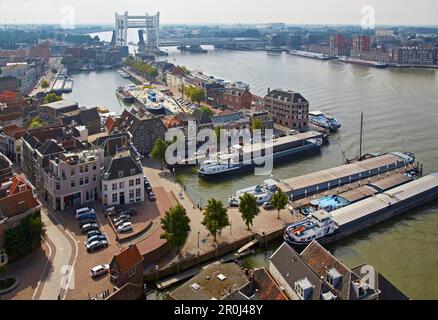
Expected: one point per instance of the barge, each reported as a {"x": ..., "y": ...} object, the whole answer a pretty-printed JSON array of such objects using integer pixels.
[
  {"x": 365, "y": 63},
  {"x": 312, "y": 55},
  {"x": 326, "y": 227},
  {"x": 124, "y": 95},
  {"x": 68, "y": 86},
  {"x": 245, "y": 158}
]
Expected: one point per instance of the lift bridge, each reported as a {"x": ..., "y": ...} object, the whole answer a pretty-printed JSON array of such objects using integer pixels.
[{"x": 148, "y": 34}]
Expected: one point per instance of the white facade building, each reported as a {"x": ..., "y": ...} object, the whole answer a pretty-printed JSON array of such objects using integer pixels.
[{"x": 123, "y": 180}]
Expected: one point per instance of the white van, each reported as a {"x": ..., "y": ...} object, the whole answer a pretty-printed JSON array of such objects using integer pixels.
[{"x": 82, "y": 211}]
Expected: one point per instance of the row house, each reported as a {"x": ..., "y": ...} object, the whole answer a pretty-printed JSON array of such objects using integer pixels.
[
  {"x": 112, "y": 143},
  {"x": 123, "y": 180},
  {"x": 289, "y": 109},
  {"x": 145, "y": 129},
  {"x": 17, "y": 201},
  {"x": 26, "y": 74},
  {"x": 87, "y": 117},
  {"x": 73, "y": 178},
  {"x": 11, "y": 144},
  {"x": 237, "y": 98}
]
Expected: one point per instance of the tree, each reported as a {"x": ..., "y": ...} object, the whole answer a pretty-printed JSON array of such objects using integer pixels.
[
  {"x": 176, "y": 226},
  {"x": 159, "y": 151},
  {"x": 45, "y": 84},
  {"x": 257, "y": 124},
  {"x": 279, "y": 201},
  {"x": 207, "y": 110},
  {"x": 248, "y": 208},
  {"x": 51, "y": 97},
  {"x": 35, "y": 123},
  {"x": 197, "y": 95},
  {"x": 215, "y": 217}
]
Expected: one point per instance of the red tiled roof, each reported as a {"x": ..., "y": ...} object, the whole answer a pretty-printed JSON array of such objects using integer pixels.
[
  {"x": 128, "y": 259},
  {"x": 8, "y": 96},
  {"x": 16, "y": 182},
  {"x": 10, "y": 116},
  {"x": 14, "y": 131},
  {"x": 19, "y": 203}
]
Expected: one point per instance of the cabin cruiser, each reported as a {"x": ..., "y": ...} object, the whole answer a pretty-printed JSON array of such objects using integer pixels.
[
  {"x": 320, "y": 119},
  {"x": 263, "y": 193}
]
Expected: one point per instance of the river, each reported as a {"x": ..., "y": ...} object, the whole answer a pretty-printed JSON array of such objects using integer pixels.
[{"x": 401, "y": 113}]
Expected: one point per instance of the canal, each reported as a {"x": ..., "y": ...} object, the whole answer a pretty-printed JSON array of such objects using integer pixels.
[{"x": 401, "y": 114}]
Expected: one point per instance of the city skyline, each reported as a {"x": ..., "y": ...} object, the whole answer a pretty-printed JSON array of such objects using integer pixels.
[{"x": 331, "y": 12}]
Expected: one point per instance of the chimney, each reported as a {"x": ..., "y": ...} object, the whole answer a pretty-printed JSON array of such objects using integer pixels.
[{"x": 269, "y": 90}]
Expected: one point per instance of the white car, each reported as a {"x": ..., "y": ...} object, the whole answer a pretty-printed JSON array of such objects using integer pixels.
[
  {"x": 82, "y": 211},
  {"x": 100, "y": 270},
  {"x": 127, "y": 226},
  {"x": 293, "y": 132}
]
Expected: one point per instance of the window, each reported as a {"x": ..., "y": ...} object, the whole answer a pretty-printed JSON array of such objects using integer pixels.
[
  {"x": 72, "y": 184},
  {"x": 131, "y": 183},
  {"x": 57, "y": 186},
  {"x": 105, "y": 187},
  {"x": 87, "y": 196},
  {"x": 114, "y": 186},
  {"x": 137, "y": 192},
  {"x": 81, "y": 169},
  {"x": 81, "y": 181},
  {"x": 132, "y": 171},
  {"x": 114, "y": 197},
  {"x": 132, "y": 272},
  {"x": 121, "y": 184},
  {"x": 120, "y": 174},
  {"x": 94, "y": 167},
  {"x": 72, "y": 172},
  {"x": 86, "y": 168},
  {"x": 131, "y": 194},
  {"x": 94, "y": 178},
  {"x": 137, "y": 181}
]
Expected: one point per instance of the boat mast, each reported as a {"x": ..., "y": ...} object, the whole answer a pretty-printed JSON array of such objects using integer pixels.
[{"x": 361, "y": 137}]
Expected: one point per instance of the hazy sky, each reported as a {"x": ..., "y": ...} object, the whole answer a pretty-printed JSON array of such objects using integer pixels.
[{"x": 423, "y": 12}]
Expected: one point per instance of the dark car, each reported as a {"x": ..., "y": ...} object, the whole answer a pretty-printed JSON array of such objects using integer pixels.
[
  {"x": 93, "y": 233},
  {"x": 129, "y": 211},
  {"x": 87, "y": 221},
  {"x": 99, "y": 237},
  {"x": 152, "y": 196},
  {"x": 121, "y": 218},
  {"x": 87, "y": 216},
  {"x": 96, "y": 245},
  {"x": 148, "y": 190}
]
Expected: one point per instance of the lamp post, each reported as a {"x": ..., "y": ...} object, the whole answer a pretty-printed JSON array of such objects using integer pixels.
[{"x": 199, "y": 233}]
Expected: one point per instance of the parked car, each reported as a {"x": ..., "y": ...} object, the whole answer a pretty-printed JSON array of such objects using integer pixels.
[
  {"x": 88, "y": 221},
  {"x": 267, "y": 206},
  {"x": 111, "y": 211},
  {"x": 129, "y": 211},
  {"x": 82, "y": 211},
  {"x": 293, "y": 132},
  {"x": 121, "y": 217},
  {"x": 96, "y": 245},
  {"x": 148, "y": 190},
  {"x": 88, "y": 227},
  {"x": 125, "y": 227},
  {"x": 152, "y": 196},
  {"x": 120, "y": 222},
  {"x": 98, "y": 237},
  {"x": 99, "y": 271},
  {"x": 93, "y": 233},
  {"x": 87, "y": 216}
]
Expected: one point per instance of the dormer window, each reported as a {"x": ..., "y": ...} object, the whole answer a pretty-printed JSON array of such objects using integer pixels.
[
  {"x": 120, "y": 174},
  {"x": 132, "y": 171},
  {"x": 132, "y": 272},
  {"x": 303, "y": 288},
  {"x": 334, "y": 277}
]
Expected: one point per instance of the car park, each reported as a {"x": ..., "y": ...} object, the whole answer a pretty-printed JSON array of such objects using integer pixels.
[
  {"x": 125, "y": 227},
  {"x": 88, "y": 227},
  {"x": 82, "y": 211},
  {"x": 96, "y": 245},
  {"x": 99, "y": 271}
]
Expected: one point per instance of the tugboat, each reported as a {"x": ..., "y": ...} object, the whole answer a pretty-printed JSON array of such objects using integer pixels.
[
  {"x": 124, "y": 95},
  {"x": 321, "y": 120}
]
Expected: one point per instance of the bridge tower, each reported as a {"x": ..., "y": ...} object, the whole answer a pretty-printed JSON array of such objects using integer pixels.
[{"x": 150, "y": 23}]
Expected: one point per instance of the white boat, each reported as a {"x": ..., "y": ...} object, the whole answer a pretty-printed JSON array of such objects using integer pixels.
[
  {"x": 327, "y": 122},
  {"x": 263, "y": 193}
]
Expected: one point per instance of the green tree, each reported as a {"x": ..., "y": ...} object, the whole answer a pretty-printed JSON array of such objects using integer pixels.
[
  {"x": 215, "y": 217},
  {"x": 257, "y": 124},
  {"x": 159, "y": 151},
  {"x": 176, "y": 227},
  {"x": 197, "y": 95},
  {"x": 279, "y": 201},
  {"x": 45, "y": 84},
  {"x": 35, "y": 123},
  {"x": 51, "y": 97},
  {"x": 207, "y": 110},
  {"x": 248, "y": 208}
]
